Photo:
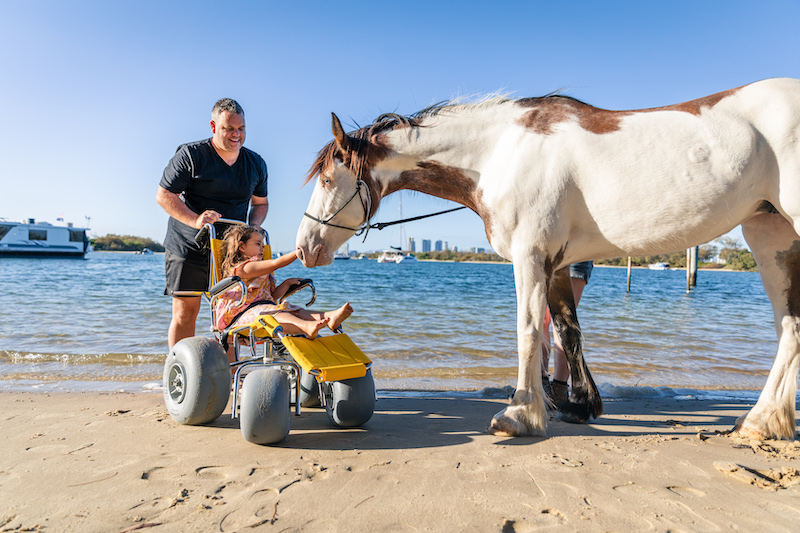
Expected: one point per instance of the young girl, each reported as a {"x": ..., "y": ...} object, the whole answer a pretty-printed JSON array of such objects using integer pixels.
[{"x": 243, "y": 252}]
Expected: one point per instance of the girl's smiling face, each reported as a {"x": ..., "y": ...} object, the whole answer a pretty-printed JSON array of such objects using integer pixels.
[{"x": 253, "y": 246}]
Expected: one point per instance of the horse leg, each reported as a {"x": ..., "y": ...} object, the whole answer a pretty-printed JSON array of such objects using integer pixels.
[
  {"x": 527, "y": 413},
  {"x": 584, "y": 401},
  {"x": 776, "y": 247}
]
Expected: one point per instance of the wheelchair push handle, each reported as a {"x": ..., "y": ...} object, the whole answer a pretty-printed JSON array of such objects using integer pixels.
[
  {"x": 208, "y": 231},
  {"x": 302, "y": 284}
]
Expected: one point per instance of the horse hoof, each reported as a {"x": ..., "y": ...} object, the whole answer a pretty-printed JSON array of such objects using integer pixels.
[
  {"x": 573, "y": 413},
  {"x": 516, "y": 421},
  {"x": 750, "y": 431},
  {"x": 502, "y": 426},
  {"x": 763, "y": 427}
]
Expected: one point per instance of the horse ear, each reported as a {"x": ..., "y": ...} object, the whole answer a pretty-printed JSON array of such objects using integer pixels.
[{"x": 341, "y": 137}]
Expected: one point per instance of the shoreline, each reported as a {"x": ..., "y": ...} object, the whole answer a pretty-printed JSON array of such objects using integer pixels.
[{"x": 118, "y": 462}]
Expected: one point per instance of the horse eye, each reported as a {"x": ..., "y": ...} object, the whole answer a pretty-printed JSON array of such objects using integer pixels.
[{"x": 326, "y": 181}]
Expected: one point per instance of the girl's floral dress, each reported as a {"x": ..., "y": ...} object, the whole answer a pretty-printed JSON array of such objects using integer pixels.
[{"x": 260, "y": 288}]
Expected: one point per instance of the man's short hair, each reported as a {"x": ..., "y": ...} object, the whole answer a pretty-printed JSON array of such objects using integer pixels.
[{"x": 226, "y": 104}]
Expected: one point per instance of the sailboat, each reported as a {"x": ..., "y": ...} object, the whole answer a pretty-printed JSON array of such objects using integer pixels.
[{"x": 395, "y": 254}]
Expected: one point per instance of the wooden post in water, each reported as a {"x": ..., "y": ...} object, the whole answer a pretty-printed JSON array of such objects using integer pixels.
[
  {"x": 691, "y": 267},
  {"x": 629, "y": 275}
]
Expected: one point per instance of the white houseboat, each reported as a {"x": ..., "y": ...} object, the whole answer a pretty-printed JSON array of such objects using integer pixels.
[{"x": 41, "y": 239}]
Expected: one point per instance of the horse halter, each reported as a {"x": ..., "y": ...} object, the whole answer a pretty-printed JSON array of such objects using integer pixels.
[{"x": 366, "y": 204}]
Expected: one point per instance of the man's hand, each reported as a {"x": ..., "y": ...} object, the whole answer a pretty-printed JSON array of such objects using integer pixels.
[{"x": 208, "y": 216}]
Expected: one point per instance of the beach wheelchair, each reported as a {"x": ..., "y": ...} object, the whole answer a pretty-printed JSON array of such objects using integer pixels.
[{"x": 329, "y": 370}]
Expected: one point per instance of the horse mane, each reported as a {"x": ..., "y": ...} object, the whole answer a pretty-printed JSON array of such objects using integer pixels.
[
  {"x": 360, "y": 143},
  {"x": 362, "y": 140}
]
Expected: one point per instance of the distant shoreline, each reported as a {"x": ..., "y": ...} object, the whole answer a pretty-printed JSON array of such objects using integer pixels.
[{"x": 479, "y": 262}]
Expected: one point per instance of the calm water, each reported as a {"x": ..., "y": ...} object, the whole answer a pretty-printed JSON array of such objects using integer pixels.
[{"x": 100, "y": 323}]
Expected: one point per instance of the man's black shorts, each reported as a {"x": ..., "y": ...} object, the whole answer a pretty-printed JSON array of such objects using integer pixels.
[{"x": 186, "y": 274}]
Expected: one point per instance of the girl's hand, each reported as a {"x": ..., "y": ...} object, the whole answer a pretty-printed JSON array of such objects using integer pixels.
[{"x": 285, "y": 286}]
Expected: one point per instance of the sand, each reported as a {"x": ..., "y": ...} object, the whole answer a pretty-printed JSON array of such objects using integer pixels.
[{"x": 117, "y": 462}]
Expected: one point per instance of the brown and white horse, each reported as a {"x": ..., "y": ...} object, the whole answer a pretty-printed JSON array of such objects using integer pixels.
[{"x": 557, "y": 181}]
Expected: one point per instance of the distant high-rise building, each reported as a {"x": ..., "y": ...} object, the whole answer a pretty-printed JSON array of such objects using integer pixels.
[
  {"x": 438, "y": 246},
  {"x": 412, "y": 246},
  {"x": 446, "y": 246},
  {"x": 426, "y": 245}
]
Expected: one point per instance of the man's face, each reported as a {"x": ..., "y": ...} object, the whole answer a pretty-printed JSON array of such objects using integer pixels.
[{"x": 228, "y": 131}]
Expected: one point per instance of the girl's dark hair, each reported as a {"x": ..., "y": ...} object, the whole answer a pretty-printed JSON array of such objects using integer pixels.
[{"x": 233, "y": 238}]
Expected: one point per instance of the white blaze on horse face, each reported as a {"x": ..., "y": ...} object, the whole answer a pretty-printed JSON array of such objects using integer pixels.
[{"x": 317, "y": 242}]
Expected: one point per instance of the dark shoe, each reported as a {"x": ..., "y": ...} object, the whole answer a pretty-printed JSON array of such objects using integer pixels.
[{"x": 560, "y": 392}]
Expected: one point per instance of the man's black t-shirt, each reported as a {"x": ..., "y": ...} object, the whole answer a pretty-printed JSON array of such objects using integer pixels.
[{"x": 208, "y": 182}]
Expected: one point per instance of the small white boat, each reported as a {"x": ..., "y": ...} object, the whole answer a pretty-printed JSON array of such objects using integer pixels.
[
  {"x": 42, "y": 239},
  {"x": 658, "y": 266},
  {"x": 396, "y": 256}
]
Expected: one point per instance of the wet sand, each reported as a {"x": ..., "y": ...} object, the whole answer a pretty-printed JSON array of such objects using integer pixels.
[{"x": 88, "y": 462}]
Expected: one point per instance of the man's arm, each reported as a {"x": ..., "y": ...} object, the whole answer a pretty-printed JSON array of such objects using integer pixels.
[
  {"x": 176, "y": 208},
  {"x": 259, "y": 205}
]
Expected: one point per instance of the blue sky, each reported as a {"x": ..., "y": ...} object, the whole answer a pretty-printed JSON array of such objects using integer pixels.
[{"x": 99, "y": 94}]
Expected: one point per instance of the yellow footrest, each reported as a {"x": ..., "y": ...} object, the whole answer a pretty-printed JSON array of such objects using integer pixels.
[{"x": 331, "y": 358}]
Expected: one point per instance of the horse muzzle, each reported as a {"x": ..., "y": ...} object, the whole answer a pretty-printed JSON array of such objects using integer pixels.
[{"x": 312, "y": 256}]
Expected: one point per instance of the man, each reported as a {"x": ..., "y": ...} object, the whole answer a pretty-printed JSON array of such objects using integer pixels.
[{"x": 205, "y": 181}]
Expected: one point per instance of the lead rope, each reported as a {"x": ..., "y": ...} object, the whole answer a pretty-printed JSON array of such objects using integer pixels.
[
  {"x": 366, "y": 205},
  {"x": 380, "y": 225}
]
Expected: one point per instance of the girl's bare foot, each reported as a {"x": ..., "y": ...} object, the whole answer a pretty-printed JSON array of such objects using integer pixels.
[
  {"x": 311, "y": 329},
  {"x": 339, "y": 316}
]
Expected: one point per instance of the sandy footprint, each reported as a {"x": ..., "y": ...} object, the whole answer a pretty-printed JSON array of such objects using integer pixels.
[
  {"x": 49, "y": 449},
  {"x": 213, "y": 472},
  {"x": 564, "y": 461},
  {"x": 431, "y": 464},
  {"x": 151, "y": 507},
  {"x": 684, "y": 518},
  {"x": 161, "y": 473},
  {"x": 686, "y": 492},
  {"x": 260, "y": 508},
  {"x": 476, "y": 468},
  {"x": 545, "y": 519},
  {"x": 632, "y": 488}
]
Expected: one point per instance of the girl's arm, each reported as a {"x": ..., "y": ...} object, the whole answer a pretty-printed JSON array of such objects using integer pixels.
[
  {"x": 280, "y": 290},
  {"x": 254, "y": 269}
]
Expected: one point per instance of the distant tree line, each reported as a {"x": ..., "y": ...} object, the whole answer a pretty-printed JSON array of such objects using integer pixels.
[
  {"x": 125, "y": 243},
  {"x": 729, "y": 249}
]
